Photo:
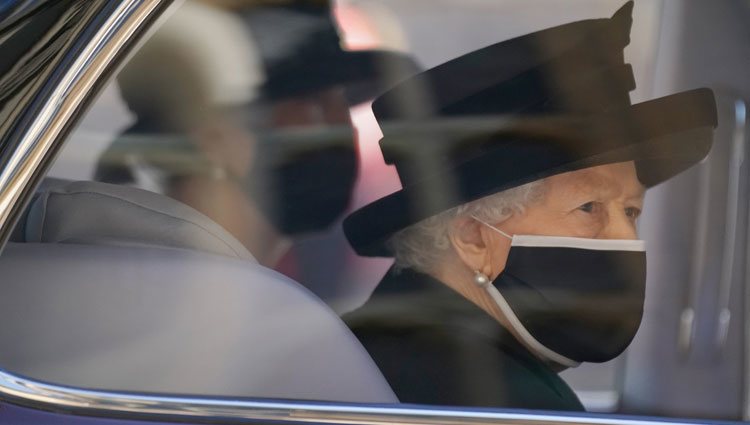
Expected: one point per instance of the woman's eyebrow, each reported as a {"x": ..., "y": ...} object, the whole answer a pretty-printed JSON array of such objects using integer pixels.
[
  {"x": 596, "y": 186},
  {"x": 639, "y": 194}
]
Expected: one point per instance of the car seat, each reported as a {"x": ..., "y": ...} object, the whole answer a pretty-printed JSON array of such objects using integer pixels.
[{"x": 116, "y": 288}]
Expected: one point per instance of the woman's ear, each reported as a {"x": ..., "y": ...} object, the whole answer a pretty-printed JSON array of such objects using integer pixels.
[
  {"x": 479, "y": 247},
  {"x": 470, "y": 245}
]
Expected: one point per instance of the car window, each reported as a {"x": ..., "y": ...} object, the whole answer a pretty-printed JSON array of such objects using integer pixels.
[
  {"x": 32, "y": 37},
  {"x": 473, "y": 204}
]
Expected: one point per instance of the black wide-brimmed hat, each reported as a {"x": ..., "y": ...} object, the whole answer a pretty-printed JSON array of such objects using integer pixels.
[
  {"x": 302, "y": 53},
  {"x": 521, "y": 110}
]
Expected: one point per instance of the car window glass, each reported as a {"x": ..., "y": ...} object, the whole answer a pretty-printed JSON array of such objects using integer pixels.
[
  {"x": 32, "y": 37},
  {"x": 567, "y": 209}
]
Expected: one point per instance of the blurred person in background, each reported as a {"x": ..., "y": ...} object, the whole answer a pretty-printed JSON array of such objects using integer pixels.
[
  {"x": 514, "y": 235},
  {"x": 242, "y": 113}
]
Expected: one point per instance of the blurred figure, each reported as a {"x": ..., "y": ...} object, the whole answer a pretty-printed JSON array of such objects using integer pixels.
[{"x": 242, "y": 113}]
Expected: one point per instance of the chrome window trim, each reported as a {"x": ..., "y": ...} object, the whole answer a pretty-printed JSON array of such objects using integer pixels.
[
  {"x": 29, "y": 157},
  {"x": 225, "y": 410},
  {"x": 45, "y": 131}
]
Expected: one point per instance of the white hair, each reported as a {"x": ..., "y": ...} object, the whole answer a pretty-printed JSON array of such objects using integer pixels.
[{"x": 422, "y": 245}]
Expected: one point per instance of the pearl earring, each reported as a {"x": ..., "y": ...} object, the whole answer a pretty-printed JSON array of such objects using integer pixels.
[{"x": 481, "y": 279}]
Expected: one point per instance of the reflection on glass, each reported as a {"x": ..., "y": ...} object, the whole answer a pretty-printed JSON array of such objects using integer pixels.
[
  {"x": 512, "y": 194},
  {"x": 249, "y": 125}
]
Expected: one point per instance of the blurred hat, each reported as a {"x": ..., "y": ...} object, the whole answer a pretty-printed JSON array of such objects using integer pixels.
[
  {"x": 521, "y": 110},
  {"x": 302, "y": 53},
  {"x": 202, "y": 56}
]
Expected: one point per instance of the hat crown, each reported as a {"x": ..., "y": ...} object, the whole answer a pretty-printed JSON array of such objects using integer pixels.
[
  {"x": 519, "y": 111},
  {"x": 576, "y": 68}
]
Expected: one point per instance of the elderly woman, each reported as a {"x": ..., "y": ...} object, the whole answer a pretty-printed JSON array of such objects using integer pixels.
[{"x": 516, "y": 250}]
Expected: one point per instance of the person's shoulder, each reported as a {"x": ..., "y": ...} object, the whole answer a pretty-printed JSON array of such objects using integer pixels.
[
  {"x": 435, "y": 347},
  {"x": 429, "y": 362}
]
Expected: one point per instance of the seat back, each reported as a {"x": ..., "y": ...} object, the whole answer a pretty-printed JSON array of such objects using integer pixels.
[
  {"x": 94, "y": 213},
  {"x": 128, "y": 311}
]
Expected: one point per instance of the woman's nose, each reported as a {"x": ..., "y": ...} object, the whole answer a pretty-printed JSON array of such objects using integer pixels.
[{"x": 619, "y": 226}]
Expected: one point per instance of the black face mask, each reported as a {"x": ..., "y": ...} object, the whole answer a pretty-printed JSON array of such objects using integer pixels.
[
  {"x": 303, "y": 182},
  {"x": 573, "y": 300}
]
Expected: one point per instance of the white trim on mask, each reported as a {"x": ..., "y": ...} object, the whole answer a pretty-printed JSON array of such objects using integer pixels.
[
  {"x": 580, "y": 243},
  {"x": 524, "y": 334},
  {"x": 542, "y": 241}
]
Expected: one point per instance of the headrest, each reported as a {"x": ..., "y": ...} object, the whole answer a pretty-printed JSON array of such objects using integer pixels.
[{"x": 96, "y": 213}]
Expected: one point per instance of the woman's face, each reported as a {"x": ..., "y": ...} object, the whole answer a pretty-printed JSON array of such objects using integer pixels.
[{"x": 601, "y": 202}]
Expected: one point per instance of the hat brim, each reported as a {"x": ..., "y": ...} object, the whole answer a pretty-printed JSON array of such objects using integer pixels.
[{"x": 664, "y": 137}]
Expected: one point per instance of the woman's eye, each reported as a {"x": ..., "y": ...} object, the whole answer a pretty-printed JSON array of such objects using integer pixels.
[
  {"x": 633, "y": 212},
  {"x": 588, "y": 207}
]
